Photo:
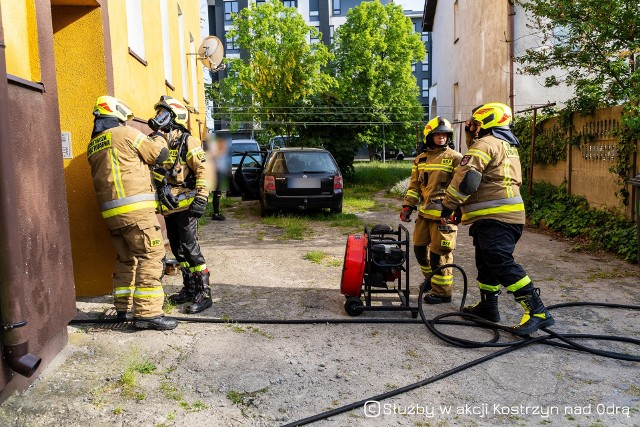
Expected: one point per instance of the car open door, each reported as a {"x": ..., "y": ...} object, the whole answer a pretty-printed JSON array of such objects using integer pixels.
[{"x": 247, "y": 176}]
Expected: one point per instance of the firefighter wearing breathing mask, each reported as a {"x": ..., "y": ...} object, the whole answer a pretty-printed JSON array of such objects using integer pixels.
[
  {"x": 433, "y": 243},
  {"x": 487, "y": 188},
  {"x": 120, "y": 157},
  {"x": 183, "y": 188}
]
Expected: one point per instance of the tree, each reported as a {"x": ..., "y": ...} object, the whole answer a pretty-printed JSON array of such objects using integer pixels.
[
  {"x": 280, "y": 71},
  {"x": 374, "y": 50},
  {"x": 588, "y": 44}
]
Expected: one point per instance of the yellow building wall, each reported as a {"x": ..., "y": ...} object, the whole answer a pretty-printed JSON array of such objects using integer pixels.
[
  {"x": 139, "y": 85},
  {"x": 21, "y": 51},
  {"x": 81, "y": 75}
]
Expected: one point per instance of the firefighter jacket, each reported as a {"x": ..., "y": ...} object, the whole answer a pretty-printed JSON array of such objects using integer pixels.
[
  {"x": 487, "y": 183},
  {"x": 189, "y": 173},
  {"x": 430, "y": 175},
  {"x": 120, "y": 158}
]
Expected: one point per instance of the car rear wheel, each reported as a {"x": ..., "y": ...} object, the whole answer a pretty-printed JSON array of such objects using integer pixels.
[
  {"x": 264, "y": 211},
  {"x": 400, "y": 157},
  {"x": 337, "y": 209}
]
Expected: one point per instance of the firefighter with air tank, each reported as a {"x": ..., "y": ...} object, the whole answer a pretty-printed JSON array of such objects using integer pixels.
[
  {"x": 433, "y": 243},
  {"x": 183, "y": 187},
  {"x": 120, "y": 157},
  {"x": 486, "y": 186}
]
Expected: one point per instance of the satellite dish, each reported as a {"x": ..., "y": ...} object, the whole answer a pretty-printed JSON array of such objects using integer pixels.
[{"x": 211, "y": 53}]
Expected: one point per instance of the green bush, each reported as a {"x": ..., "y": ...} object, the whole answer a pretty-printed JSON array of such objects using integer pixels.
[{"x": 572, "y": 217}]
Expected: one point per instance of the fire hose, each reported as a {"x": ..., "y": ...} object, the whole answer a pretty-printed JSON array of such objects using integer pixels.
[{"x": 566, "y": 341}]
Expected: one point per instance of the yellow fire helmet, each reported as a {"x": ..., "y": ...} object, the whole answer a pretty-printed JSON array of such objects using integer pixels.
[
  {"x": 438, "y": 125},
  {"x": 108, "y": 106},
  {"x": 179, "y": 112},
  {"x": 493, "y": 114}
]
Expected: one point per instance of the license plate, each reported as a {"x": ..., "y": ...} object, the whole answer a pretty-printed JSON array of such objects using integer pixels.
[{"x": 304, "y": 183}]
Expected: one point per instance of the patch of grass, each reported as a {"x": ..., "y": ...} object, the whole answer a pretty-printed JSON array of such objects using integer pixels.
[
  {"x": 118, "y": 410},
  {"x": 634, "y": 390},
  {"x": 168, "y": 306},
  {"x": 171, "y": 391},
  {"x": 412, "y": 353},
  {"x": 315, "y": 256},
  {"x": 603, "y": 275},
  {"x": 335, "y": 263},
  {"x": 198, "y": 405},
  {"x": 354, "y": 205},
  {"x": 145, "y": 367},
  {"x": 380, "y": 174},
  {"x": 244, "y": 398},
  {"x": 294, "y": 227},
  {"x": 228, "y": 202},
  {"x": 260, "y": 235}
]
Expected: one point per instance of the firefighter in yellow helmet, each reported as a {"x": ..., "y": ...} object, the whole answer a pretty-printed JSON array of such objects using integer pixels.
[
  {"x": 185, "y": 177},
  {"x": 487, "y": 188},
  {"x": 120, "y": 157},
  {"x": 433, "y": 243}
]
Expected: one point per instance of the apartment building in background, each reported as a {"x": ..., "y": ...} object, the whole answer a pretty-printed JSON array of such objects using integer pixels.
[{"x": 325, "y": 15}]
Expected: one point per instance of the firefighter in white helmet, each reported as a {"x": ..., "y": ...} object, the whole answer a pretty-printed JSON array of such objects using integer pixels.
[
  {"x": 120, "y": 157},
  {"x": 185, "y": 177},
  {"x": 433, "y": 243},
  {"x": 487, "y": 188}
]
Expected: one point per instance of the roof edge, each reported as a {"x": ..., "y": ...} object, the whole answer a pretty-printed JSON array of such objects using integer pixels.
[{"x": 427, "y": 15}]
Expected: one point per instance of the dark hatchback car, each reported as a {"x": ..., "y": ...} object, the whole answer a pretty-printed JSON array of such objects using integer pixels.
[{"x": 291, "y": 178}]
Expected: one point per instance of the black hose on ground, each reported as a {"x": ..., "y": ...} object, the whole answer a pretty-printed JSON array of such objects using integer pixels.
[{"x": 567, "y": 341}]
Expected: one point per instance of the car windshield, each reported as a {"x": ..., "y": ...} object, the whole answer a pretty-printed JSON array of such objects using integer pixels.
[
  {"x": 241, "y": 147},
  {"x": 304, "y": 162}
]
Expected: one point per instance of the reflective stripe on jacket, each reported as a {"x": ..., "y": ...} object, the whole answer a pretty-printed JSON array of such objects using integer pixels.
[
  {"x": 498, "y": 195},
  {"x": 430, "y": 175},
  {"x": 119, "y": 158}
]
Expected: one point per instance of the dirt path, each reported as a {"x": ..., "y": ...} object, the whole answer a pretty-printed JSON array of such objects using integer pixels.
[{"x": 267, "y": 375}]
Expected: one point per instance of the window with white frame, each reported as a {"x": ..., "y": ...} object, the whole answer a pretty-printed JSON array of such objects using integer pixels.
[
  {"x": 290, "y": 3},
  {"x": 425, "y": 88},
  {"x": 231, "y": 42},
  {"x": 337, "y": 8},
  {"x": 331, "y": 34},
  {"x": 166, "y": 42},
  {"x": 230, "y": 7},
  {"x": 183, "y": 54},
  {"x": 314, "y": 10},
  {"x": 425, "y": 64},
  {"x": 135, "y": 32},
  {"x": 314, "y": 36}
]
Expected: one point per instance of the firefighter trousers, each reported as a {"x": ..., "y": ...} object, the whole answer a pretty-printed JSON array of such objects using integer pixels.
[
  {"x": 182, "y": 230},
  {"x": 433, "y": 248},
  {"x": 136, "y": 280},
  {"x": 494, "y": 243}
]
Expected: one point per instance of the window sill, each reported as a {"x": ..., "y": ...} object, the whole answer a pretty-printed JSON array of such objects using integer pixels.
[
  {"x": 142, "y": 61},
  {"x": 169, "y": 85},
  {"x": 18, "y": 81}
]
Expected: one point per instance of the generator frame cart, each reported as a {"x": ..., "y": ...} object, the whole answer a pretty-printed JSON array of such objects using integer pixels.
[{"x": 375, "y": 263}]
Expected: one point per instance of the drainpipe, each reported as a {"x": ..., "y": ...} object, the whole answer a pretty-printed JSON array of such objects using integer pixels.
[
  {"x": 511, "y": 36},
  {"x": 15, "y": 342}
]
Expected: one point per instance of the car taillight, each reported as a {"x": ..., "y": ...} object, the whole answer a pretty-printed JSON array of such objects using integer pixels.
[
  {"x": 269, "y": 183},
  {"x": 337, "y": 182}
]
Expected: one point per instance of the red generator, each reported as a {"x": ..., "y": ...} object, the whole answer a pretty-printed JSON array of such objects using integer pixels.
[{"x": 374, "y": 263}]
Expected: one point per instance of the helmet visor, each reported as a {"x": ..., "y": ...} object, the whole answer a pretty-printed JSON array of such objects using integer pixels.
[{"x": 161, "y": 120}]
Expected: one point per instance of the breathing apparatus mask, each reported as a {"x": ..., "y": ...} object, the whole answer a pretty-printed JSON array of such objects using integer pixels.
[{"x": 162, "y": 120}]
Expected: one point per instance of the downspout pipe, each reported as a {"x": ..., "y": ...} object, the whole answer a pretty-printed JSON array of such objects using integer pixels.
[{"x": 15, "y": 341}]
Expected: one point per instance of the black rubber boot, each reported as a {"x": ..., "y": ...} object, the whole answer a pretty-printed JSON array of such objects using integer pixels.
[
  {"x": 202, "y": 297},
  {"x": 187, "y": 293},
  {"x": 124, "y": 315},
  {"x": 428, "y": 285},
  {"x": 431, "y": 298},
  {"x": 487, "y": 308},
  {"x": 159, "y": 323},
  {"x": 535, "y": 316}
]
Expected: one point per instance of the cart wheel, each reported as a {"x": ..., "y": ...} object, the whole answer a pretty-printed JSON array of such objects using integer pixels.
[
  {"x": 414, "y": 314},
  {"x": 350, "y": 306}
]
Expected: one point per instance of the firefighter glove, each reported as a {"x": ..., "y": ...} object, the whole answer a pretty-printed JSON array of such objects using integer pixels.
[
  {"x": 163, "y": 189},
  {"x": 405, "y": 213},
  {"x": 197, "y": 207},
  {"x": 445, "y": 215}
]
